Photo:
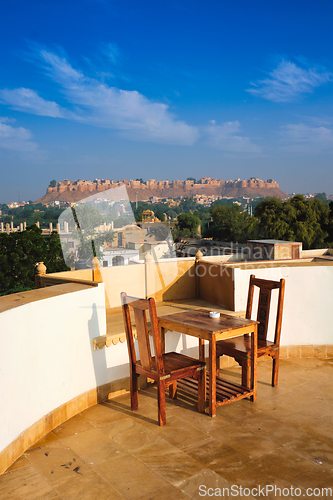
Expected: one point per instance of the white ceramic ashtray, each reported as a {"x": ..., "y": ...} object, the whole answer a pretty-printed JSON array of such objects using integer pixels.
[{"x": 214, "y": 314}]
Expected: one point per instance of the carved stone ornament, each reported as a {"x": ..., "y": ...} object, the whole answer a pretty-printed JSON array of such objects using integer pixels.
[
  {"x": 198, "y": 255},
  {"x": 107, "y": 341},
  {"x": 41, "y": 268}
]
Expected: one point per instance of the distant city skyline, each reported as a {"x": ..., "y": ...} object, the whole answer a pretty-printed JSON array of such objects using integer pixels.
[{"x": 165, "y": 90}]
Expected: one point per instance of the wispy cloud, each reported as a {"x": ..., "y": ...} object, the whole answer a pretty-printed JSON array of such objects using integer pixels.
[
  {"x": 111, "y": 51},
  {"x": 16, "y": 138},
  {"x": 133, "y": 115},
  {"x": 227, "y": 137},
  {"x": 302, "y": 138},
  {"x": 288, "y": 81},
  {"x": 29, "y": 101},
  {"x": 96, "y": 103}
]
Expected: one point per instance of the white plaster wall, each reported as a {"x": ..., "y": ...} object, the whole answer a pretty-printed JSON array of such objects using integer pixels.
[
  {"x": 46, "y": 357},
  {"x": 308, "y": 303}
]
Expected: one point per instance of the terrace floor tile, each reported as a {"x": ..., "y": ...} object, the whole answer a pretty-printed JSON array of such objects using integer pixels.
[{"x": 283, "y": 440}]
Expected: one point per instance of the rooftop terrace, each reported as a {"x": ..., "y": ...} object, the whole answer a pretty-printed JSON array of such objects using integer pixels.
[
  {"x": 65, "y": 372},
  {"x": 284, "y": 439}
]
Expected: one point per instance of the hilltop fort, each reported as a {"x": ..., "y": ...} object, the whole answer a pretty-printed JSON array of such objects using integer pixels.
[{"x": 73, "y": 191}]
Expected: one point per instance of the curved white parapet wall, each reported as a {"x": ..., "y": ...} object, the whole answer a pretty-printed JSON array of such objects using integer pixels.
[
  {"x": 47, "y": 359},
  {"x": 49, "y": 370}
]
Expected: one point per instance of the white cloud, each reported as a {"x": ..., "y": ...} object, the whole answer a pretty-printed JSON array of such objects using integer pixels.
[
  {"x": 60, "y": 69},
  {"x": 6, "y": 119},
  {"x": 227, "y": 138},
  {"x": 29, "y": 101},
  {"x": 132, "y": 114},
  {"x": 301, "y": 138},
  {"x": 96, "y": 103},
  {"x": 288, "y": 81},
  {"x": 16, "y": 138}
]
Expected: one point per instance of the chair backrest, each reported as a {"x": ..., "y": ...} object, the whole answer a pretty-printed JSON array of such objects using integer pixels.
[
  {"x": 264, "y": 302},
  {"x": 140, "y": 306}
]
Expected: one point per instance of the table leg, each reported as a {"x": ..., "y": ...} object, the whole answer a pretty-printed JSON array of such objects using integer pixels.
[
  {"x": 212, "y": 376},
  {"x": 202, "y": 388},
  {"x": 254, "y": 347}
]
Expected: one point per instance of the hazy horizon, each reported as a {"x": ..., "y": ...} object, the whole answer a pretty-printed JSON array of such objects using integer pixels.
[{"x": 165, "y": 90}]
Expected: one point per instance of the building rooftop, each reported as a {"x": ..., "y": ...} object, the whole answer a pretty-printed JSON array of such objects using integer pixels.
[
  {"x": 284, "y": 440},
  {"x": 274, "y": 242},
  {"x": 67, "y": 419}
]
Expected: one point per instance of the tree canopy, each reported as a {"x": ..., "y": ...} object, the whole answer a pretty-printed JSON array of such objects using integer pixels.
[
  {"x": 19, "y": 254},
  {"x": 188, "y": 225},
  {"x": 296, "y": 219},
  {"x": 30, "y": 213},
  {"x": 322, "y": 197},
  {"x": 230, "y": 224}
]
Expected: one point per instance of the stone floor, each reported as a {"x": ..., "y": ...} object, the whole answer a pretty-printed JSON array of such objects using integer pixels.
[{"x": 283, "y": 441}]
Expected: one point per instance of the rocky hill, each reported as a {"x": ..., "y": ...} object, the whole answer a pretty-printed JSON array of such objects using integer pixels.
[{"x": 73, "y": 191}]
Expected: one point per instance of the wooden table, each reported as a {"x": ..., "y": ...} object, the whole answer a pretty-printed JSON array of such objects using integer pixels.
[{"x": 199, "y": 324}]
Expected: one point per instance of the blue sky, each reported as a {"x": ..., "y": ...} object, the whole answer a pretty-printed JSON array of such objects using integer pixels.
[{"x": 165, "y": 90}]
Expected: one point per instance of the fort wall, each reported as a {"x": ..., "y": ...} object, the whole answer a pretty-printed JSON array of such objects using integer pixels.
[{"x": 75, "y": 190}]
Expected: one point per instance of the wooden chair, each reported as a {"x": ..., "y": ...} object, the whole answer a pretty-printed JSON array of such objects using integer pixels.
[
  {"x": 165, "y": 369},
  {"x": 240, "y": 347}
]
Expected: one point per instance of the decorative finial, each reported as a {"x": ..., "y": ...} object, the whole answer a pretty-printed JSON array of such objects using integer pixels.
[
  {"x": 41, "y": 269},
  {"x": 198, "y": 255},
  {"x": 148, "y": 257}
]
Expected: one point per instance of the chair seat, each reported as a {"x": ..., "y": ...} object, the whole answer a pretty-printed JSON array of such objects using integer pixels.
[
  {"x": 165, "y": 369},
  {"x": 175, "y": 362},
  {"x": 240, "y": 347}
]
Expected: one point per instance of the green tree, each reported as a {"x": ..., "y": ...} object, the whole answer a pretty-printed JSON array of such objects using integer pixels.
[
  {"x": 160, "y": 215},
  {"x": 322, "y": 197},
  {"x": 223, "y": 201},
  {"x": 230, "y": 224},
  {"x": 296, "y": 219},
  {"x": 19, "y": 254},
  {"x": 187, "y": 205},
  {"x": 329, "y": 226},
  {"x": 273, "y": 223},
  {"x": 171, "y": 213},
  {"x": 203, "y": 213},
  {"x": 188, "y": 225},
  {"x": 53, "y": 183}
]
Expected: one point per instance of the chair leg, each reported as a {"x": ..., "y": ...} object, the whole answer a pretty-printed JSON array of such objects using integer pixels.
[
  {"x": 161, "y": 402},
  {"x": 246, "y": 370},
  {"x": 134, "y": 391},
  {"x": 217, "y": 366},
  {"x": 275, "y": 372},
  {"x": 173, "y": 390}
]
